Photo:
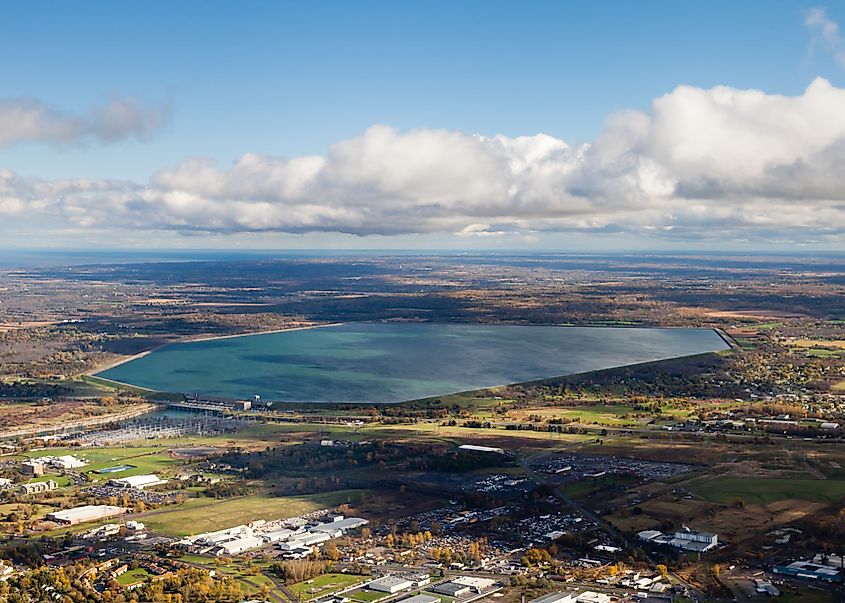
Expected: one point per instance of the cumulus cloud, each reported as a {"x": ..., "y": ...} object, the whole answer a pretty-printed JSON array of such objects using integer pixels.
[
  {"x": 825, "y": 34},
  {"x": 719, "y": 162},
  {"x": 30, "y": 120}
]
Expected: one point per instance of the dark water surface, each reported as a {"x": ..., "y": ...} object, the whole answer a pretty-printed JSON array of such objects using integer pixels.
[{"x": 377, "y": 362}]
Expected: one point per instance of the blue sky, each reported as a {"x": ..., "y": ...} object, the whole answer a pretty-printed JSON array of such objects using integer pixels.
[{"x": 287, "y": 79}]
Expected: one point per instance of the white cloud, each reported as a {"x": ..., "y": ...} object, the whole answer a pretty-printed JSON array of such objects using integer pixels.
[
  {"x": 30, "y": 120},
  {"x": 825, "y": 33},
  {"x": 700, "y": 163}
]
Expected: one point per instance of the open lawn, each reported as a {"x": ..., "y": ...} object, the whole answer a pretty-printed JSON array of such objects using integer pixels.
[
  {"x": 199, "y": 515},
  {"x": 365, "y": 595},
  {"x": 767, "y": 490},
  {"x": 133, "y": 576},
  {"x": 324, "y": 585}
]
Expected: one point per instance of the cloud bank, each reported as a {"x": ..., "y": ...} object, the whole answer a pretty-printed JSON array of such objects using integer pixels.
[
  {"x": 30, "y": 120},
  {"x": 699, "y": 163}
]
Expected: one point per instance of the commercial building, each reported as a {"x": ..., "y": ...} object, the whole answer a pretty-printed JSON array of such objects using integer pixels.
[
  {"x": 136, "y": 481},
  {"x": 391, "y": 584},
  {"x": 37, "y": 487},
  {"x": 85, "y": 513}
]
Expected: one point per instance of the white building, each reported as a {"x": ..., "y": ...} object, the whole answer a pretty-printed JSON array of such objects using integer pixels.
[
  {"x": 67, "y": 462},
  {"x": 85, "y": 513},
  {"x": 478, "y": 585},
  {"x": 237, "y": 545},
  {"x": 5, "y": 482},
  {"x": 391, "y": 584},
  {"x": 557, "y": 598},
  {"x": 136, "y": 481},
  {"x": 475, "y": 448},
  {"x": 694, "y": 541}
]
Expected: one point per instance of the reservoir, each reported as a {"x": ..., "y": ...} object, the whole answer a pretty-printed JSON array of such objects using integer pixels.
[{"x": 395, "y": 362}]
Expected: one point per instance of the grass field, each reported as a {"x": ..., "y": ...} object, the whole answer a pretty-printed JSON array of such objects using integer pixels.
[
  {"x": 146, "y": 459},
  {"x": 767, "y": 490},
  {"x": 199, "y": 515},
  {"x": 366, "y": 596},
  {"x": 132, "y": 576},
  {"x": 324, "y": 585}
]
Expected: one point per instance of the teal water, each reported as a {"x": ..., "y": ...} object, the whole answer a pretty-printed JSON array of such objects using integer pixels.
[{"x": 378, "y": 362}]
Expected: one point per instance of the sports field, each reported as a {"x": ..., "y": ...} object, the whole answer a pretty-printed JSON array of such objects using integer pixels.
[{"x": 324, "y": 585}]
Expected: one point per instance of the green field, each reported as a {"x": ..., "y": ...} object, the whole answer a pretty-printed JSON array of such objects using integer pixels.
[
  {"x": 324, "y": 585},
  {"x": 132, "y": 576},
  {"x": 146, "y": 459},
  {"x": 366, "y": 596},
  {"x": 199, "y": 515},
  {"x": 766, "y": 490}
]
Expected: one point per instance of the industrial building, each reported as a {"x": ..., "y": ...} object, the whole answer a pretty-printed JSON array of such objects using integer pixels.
[
  {"x": 136, "y": 481},
  {"x": 391, "y": 584},
  {"x": 698, "y": 542},
  {"x": 339, "y": 526},
  {"x": 810, "y": 571},
  {"x": 85, "y": 513}
]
